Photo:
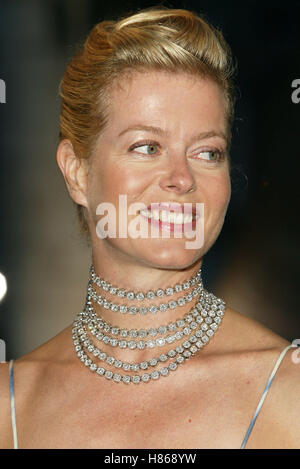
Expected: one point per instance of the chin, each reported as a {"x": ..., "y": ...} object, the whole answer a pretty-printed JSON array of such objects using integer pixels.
[{"x": 168, "y": 255}]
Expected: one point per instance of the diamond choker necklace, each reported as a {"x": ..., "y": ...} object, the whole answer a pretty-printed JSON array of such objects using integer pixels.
[{"x": 194, "y": 330}]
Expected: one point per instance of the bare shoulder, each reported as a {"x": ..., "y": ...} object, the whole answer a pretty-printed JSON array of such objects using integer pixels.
[
  {"x": 240, "y": 334},
  {"x": 261, "y": 349},
  {"x": 4, "y": 406}
]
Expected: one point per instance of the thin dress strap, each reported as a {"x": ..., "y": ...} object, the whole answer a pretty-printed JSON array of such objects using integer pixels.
[
  {"x": 12, "y": 403},
  {"x": 279, "y": 360}
]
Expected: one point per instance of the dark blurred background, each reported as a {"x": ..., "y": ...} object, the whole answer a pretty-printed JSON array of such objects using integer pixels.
[{"x": 254, "y": 263}]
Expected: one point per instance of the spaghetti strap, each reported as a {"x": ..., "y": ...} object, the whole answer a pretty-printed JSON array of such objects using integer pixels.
[
  {"x": 279, "y": 360},
  {"x": 12, "y": 403}
]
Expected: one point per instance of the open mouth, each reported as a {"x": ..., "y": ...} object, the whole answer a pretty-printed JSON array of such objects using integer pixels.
[{"x": 167, "y": 216}]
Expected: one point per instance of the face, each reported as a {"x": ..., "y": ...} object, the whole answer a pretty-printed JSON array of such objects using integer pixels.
[{"x": 165, "y": 142}]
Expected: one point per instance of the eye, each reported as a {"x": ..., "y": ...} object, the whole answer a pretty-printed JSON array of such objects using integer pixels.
[
  {"x": 211, "y": 155},
  {"x": 146, "y": 148}
]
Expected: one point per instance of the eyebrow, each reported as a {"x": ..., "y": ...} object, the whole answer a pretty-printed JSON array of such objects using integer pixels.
[{"x": 162, "y": 133}]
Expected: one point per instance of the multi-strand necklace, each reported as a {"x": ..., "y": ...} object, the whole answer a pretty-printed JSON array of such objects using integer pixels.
[{"x": 195, "y": 330}]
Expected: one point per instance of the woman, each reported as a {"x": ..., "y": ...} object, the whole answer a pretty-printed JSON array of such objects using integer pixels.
[{"x": 153, "y": 360}]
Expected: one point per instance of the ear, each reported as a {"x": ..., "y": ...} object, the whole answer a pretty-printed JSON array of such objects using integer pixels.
[{"x": 75, "y": 171}]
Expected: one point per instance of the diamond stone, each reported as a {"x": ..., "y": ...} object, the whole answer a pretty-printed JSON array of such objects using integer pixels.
[
  {"x": 153, "y": 361},
  {"x": 170, "y": 339},
  {"x": 155, "y": 375},
  {"x": 108, "y": 374},
  {"x": 126, "y": 379},
  {"x": 117, "y": 377},
  {"x": 173, "y": 366},
  {"x": 160, "y": 342},
  {"x": 180, "y": 323},
  {"x": 160, "y": 293},
  {"x": 134, "y": 367},
  {"x": 164, "y": 371},
  {"x": 180, "y": 359},
  {"x": 179, "y": 349},
  {"x": 163, "y": 357},
  {"x": 100, "y": 371},
  {"x": 145, "y": 377},
  {"x": 135, "y": 379}
]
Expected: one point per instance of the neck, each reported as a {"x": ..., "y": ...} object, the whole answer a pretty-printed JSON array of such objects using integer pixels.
[{"x": 135, "y": 280}]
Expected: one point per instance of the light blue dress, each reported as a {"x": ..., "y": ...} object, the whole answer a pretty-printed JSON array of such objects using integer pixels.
[{"x": 248, "y": 432}]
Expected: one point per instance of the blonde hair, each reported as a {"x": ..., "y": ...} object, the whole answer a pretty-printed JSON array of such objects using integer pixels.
[{"x": 156, "y": 38}]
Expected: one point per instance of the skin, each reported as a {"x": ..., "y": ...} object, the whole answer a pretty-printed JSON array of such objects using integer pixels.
[{"x": 208, "y": 402}]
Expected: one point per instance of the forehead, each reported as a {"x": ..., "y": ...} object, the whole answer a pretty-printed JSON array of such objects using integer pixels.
[{"x": 175, "y": 101}]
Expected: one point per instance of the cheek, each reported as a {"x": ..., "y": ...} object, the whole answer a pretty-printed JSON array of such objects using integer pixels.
[
  {"x": 110, "y": 181},
  {"x": 218, "y": 193}
]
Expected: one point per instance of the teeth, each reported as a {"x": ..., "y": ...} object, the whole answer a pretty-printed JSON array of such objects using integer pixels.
[{"x": 168, "y": 217}]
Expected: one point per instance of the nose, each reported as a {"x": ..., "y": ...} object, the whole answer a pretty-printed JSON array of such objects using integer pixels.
[{"x": 178, "y": 177}]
